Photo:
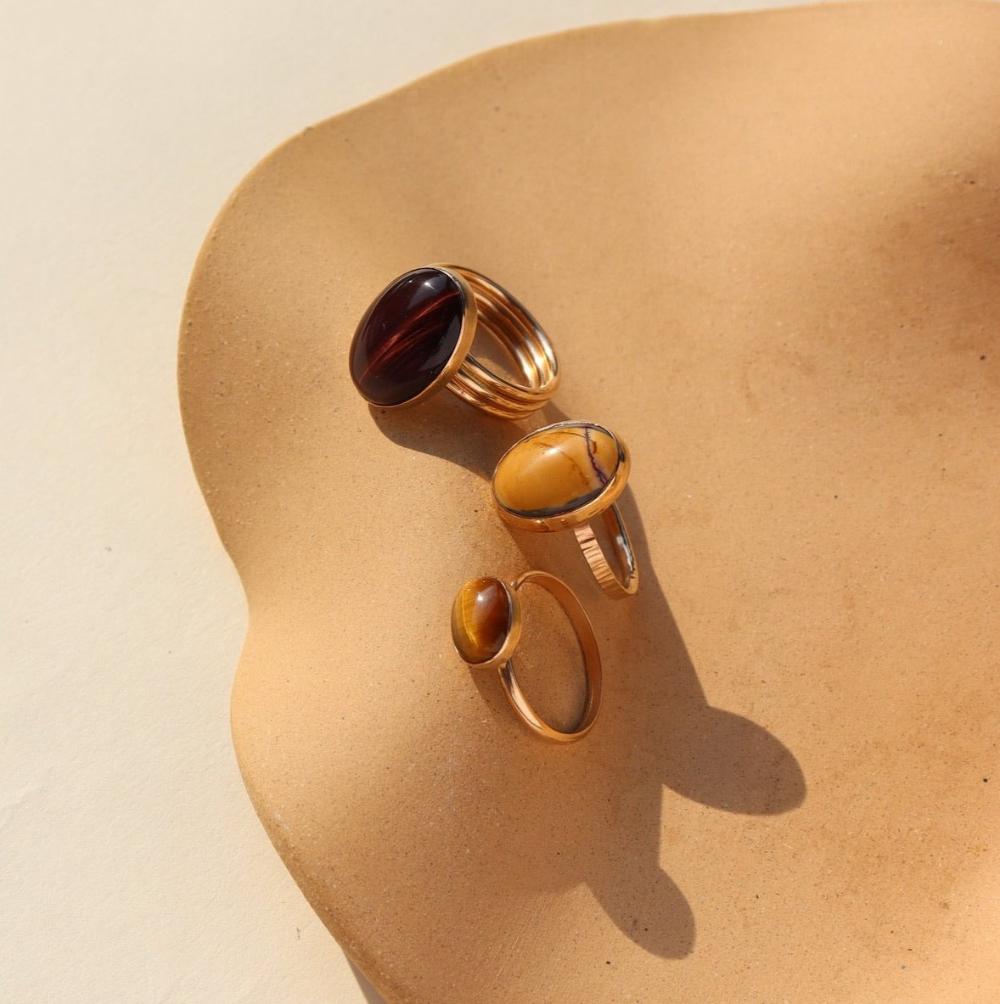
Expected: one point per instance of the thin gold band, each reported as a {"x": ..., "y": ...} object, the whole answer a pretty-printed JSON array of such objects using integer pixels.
[
  {"x": 504, "y": 317},
  {"x": 615, "y": 585},
  {"x": 587, "y": 640}
]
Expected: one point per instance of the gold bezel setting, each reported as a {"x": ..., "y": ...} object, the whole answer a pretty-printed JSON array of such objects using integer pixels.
[
  {"x": 513, "y": 636},
  {"x": 466, "y": 335},
  {"x": 572, "y": 517}
]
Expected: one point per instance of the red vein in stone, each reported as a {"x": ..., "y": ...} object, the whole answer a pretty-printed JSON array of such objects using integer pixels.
[{"x": 392, "y": 351}]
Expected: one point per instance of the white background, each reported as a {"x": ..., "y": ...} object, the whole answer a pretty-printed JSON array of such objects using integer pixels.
[{"x": 132, "y": 866}]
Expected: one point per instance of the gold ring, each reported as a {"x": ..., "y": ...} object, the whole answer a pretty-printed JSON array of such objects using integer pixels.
[
  {"x": 416, "y": 336},
  {"x": 561, "y": 477},
  {"x": 486, "y": 629}
]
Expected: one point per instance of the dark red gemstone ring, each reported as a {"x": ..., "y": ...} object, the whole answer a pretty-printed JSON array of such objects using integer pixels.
[{"x": 416, "y": 336}]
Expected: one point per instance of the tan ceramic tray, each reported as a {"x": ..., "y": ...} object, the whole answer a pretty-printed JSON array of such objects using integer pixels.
[{"x": 766, "y": 248}]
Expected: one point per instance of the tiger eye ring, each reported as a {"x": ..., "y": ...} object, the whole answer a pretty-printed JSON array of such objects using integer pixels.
[
  {"x": 415, "y": 339},
  {"x": 486, "y": 630},
  {"x": 562, "y": 476}
]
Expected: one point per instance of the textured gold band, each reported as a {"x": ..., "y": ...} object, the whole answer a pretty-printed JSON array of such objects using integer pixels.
[
  {"x": 573, "y": 608},
  {"x": 504, "y": 317},
  {"x": 616, "y": 586}
]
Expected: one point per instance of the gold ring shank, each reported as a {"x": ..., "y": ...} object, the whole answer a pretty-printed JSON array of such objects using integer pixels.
[
  {"x": 505, "y": 318},
  {"x": 591, "y": 660},
  {"x": 615, "y": 585}
]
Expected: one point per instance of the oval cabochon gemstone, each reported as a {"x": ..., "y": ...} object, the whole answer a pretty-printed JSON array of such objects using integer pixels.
[
  {"x": 480, "y": 619},
  {"x": 407, "y": 336},
  {"x": 556, "y": 470}
]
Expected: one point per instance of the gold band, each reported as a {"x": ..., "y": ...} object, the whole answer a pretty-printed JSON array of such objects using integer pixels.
[
  {"x": 486, "y": 629},
  {"x": 587, "y": 640},
  {"x": 504, "y": 317},
  {"x": 615, "y": 585}
]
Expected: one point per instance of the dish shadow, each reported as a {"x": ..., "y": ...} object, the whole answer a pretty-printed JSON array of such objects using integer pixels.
[
  {"x": 370, "y": 994},
  {"x": 664, "y": 731}
]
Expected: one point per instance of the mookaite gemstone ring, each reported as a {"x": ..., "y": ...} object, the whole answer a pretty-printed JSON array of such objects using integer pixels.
[
  {"x": 486, "y": 630},
  {"x": 415, "y": 339},
  {"x": 562, "y": 476}
]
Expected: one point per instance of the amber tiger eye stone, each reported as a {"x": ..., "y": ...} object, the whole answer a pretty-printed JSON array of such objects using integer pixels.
[
  {"x": 556, "y": 470},
  {"x": 407, "y": 336},
  {"x": 480, "y": 619}
]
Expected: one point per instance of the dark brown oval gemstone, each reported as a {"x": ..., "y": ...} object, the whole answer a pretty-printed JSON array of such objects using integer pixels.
[{"x": 407, "y": 336}]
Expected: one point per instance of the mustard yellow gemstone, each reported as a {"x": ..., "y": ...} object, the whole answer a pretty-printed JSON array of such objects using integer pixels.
[
  {"x": 556, "y": 470},
  {"x": 480, "y": 619}
]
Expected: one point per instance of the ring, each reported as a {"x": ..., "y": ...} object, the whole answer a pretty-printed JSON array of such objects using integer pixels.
[
  {"x": 416, "y": 335},
  {"x": 562, "y": 476},
  {"x": 486, "y": 629}
]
